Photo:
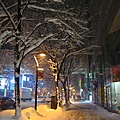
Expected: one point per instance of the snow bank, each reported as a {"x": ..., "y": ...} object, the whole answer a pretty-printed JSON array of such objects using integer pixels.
[
  {"x": 43, "y": 112},
  {"x": 76, "y": 111}
]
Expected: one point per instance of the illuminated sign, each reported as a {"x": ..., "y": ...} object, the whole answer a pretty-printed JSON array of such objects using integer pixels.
[
  {"x": 115, "y": 72},
  {"x": 40, "y": 74}
]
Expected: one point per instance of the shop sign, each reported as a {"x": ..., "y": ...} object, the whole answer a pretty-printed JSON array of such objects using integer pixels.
[
  {"x": 115, "y": 72},
  {"x": 40, "y": 74}
]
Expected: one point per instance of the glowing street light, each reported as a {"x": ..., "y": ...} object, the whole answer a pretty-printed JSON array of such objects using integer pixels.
[
  {"x": 42, "y": 54},
  {"x": 38, "y": 74},
  {"x": 41, "y": 69}
]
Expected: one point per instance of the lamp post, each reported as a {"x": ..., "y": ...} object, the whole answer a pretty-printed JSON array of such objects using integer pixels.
[
  {"x": 53, "y": 65},
  {"x": 36, "y": 85}
]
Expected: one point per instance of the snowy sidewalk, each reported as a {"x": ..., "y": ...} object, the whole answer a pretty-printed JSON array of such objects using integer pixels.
[
  {"x": 86, "y": 111},
  {"x": 76, "y": 111}
]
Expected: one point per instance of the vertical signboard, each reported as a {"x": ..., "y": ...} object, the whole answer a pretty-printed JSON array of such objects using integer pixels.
[
  {"x": 115, "y": 72},
  {"x": 40, "y": 73}
]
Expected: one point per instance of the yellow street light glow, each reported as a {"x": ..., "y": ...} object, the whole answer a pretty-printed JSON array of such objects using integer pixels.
[
  {"x": 41, "y": 69},
  {"x": 42, "y": 54}
]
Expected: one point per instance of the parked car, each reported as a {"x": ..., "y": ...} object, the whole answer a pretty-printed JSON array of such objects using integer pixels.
[
  {"x": 41, "y": 99},
  {"x": 6, "y": 102},
  {"x": 48, "y": 99}
]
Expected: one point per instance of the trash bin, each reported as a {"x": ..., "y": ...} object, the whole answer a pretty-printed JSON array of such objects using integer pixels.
[{"x": 53, "y": 102}]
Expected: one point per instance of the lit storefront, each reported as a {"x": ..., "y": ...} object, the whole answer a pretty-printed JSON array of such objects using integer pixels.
[
  {"x": 115, "y": 87},
  {"x": 112, "y": 89},
  {"x": 107, "y": 90}
]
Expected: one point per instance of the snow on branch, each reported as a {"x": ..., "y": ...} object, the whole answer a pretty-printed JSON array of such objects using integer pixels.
[
  {"x": 78, "y": 22},
  {"x": 33, "y": 30},
  {"x": 3, "y": 35},
  {"x": 83, "y": 51},
  {"x": 22, "y": 12},
  {"x": 54, "y": 0},
  {"x": 8, "y": 14},
  {"x": 51, "y": 10},
  {"x": 70, "y": 31},
  {"x": 2, "y": 14},
  {"x": 28, "y": 39},
  {"x": 38, "y": 43}
]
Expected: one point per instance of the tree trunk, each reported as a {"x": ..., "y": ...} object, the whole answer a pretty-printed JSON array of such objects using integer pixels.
[
  {"x": 17, "y": 64},
  {"x": 17, "y": 74},
  {"x": 17, "y": 96},
  {"x": 57, "y": 90},
  {"x": 66, "y": 93}
]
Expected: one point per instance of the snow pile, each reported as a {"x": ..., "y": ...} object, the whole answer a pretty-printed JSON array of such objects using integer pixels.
[
  {"x": 73, "y": 111},
  {"x": 43, "y": 112}
]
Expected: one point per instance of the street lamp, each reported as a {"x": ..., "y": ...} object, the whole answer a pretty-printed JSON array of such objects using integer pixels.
[
  {"x": 42, "y": 54},
  {"x": 37, "y": 73}
]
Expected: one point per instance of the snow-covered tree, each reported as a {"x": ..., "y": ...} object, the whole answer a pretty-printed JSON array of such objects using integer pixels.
[
  {"x": 71, "y": 31},
  {"x": 31, "y": 25},
  {"x": 64, "y": 60}
]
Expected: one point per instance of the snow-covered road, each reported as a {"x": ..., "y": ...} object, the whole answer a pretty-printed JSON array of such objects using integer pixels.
[{"x": 86, "y": 111}]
